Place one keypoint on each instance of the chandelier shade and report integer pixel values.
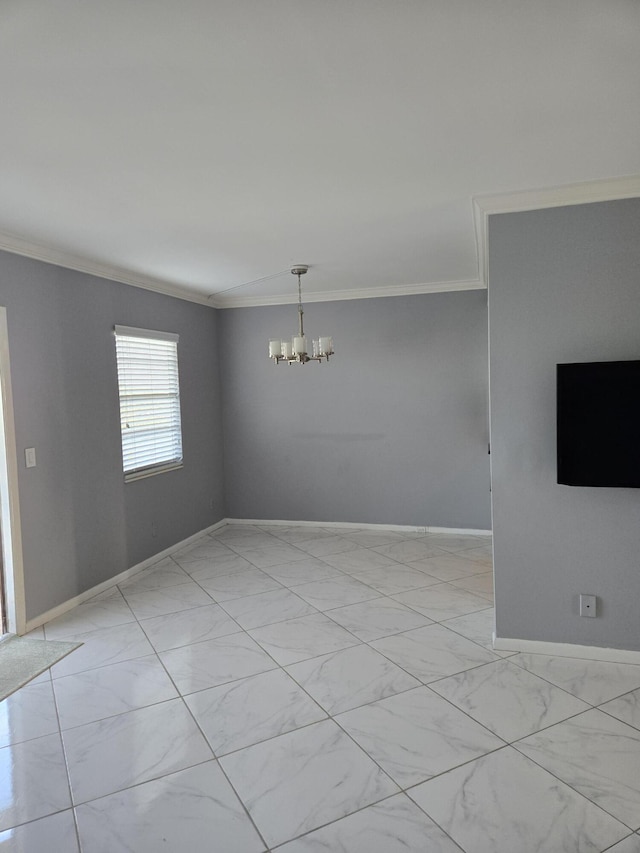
(296, 350)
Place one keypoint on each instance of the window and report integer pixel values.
(149, 390)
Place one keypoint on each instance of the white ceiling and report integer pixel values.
(200, 145)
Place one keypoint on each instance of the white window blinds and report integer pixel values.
(149, 400)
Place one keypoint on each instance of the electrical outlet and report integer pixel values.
(588, 605)
(30, 457)
(154, 530)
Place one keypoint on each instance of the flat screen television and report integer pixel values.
(598, 424)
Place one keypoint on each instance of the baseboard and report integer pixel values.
(566, 650)
(460, 531)
(348, 525)
(63, 608)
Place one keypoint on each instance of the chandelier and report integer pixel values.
(295, 350)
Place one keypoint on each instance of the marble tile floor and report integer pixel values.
(306, 689)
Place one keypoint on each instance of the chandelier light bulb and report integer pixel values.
(275, 347)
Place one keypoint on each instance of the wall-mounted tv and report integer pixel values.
(598, 424)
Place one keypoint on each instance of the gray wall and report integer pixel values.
(564, 286)
(393, 430)
(81, 523)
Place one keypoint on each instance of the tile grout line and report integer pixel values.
(331, 717)
(505, 743)
(568, 785)
(214, 756)
(281, 734)
(66, 765)
(575, 696)
(328, 717)
(165, 775)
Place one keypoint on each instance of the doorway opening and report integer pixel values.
(3, 615)
(11, 567)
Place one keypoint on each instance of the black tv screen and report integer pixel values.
(599, 424)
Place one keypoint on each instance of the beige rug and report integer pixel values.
(21, 660)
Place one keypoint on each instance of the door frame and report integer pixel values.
(13, 566)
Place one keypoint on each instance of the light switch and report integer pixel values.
(30, 457)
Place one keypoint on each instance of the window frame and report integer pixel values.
(169, 464)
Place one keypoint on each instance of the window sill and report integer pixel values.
(132, 476)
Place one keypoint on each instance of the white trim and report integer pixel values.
(344, 295)
(349, 525)
(346, 525)
(9, 495)
(63, 608)
(460, 531)
(60, 258)
(143, 473)
(586, 192)
(608, 189)
(566, 650)
(146, 334)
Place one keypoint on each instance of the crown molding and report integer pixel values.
(586, 192)
(483, 206)
(344, 295)
(60, 258)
